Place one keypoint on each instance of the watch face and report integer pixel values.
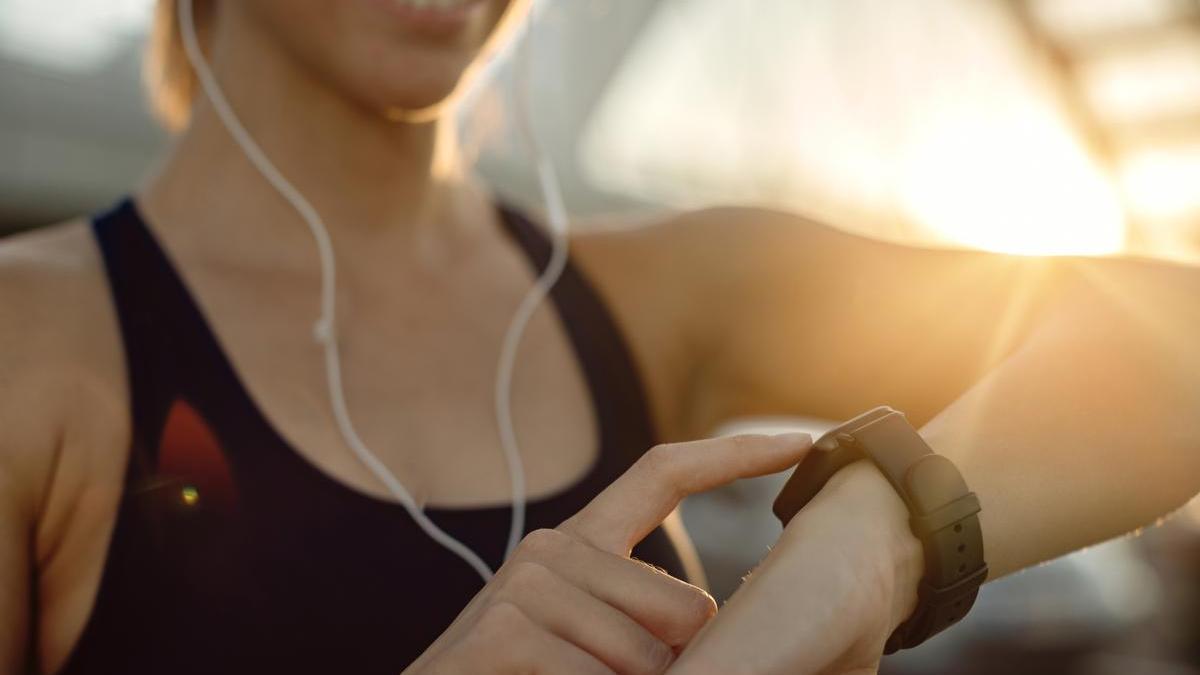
(830, 441)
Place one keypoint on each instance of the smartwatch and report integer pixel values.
(943, 512)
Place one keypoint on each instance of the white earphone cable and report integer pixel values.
(324, 330)
(556, 215)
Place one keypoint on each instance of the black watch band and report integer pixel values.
(943, 512)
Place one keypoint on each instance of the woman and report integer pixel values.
(178, 498)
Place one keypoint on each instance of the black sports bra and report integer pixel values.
(233, 554)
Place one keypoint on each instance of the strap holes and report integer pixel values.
(962, 548)
(962, 568)
(958, 527)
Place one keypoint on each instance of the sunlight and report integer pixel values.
(1012, 186)
(1162, 183)
(924, 133)
(1125, 291)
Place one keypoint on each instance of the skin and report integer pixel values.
(1049, 383)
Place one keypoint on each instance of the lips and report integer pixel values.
(436, 17)
(432, 4)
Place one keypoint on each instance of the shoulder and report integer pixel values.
(61, 368)
(53, 297)
(57, 262)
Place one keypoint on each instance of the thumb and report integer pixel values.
(637, 502)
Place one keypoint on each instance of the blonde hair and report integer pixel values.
(170, 82)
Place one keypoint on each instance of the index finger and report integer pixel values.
(637, 502)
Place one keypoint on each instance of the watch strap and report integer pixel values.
(943, 515)
(943, 512)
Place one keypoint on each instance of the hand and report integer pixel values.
(570, 600)
(843, 575)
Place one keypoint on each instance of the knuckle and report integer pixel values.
(542, 543)
(527, 578)
(693, 610)
(703, 606)
(659, 459)
(654, 657)
(500, 622)
(687, 608)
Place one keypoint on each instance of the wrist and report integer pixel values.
(898, 563)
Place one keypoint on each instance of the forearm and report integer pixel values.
(1091, 429)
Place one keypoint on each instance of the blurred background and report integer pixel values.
(1028, 126)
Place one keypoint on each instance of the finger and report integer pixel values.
(637, 502)
(672, 610)
(506, 640)
(583, 620)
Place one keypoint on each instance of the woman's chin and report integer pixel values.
(422, 105)
(411, 113)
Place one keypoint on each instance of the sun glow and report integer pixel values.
(1024, 188)
(1163, 184)
(927, 125)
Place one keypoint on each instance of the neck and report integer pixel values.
(361, 171)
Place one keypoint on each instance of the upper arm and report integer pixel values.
(15, 574)
(799, 318)
(26, 457)
(55, 358)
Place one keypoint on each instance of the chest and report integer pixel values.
(418, 365)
